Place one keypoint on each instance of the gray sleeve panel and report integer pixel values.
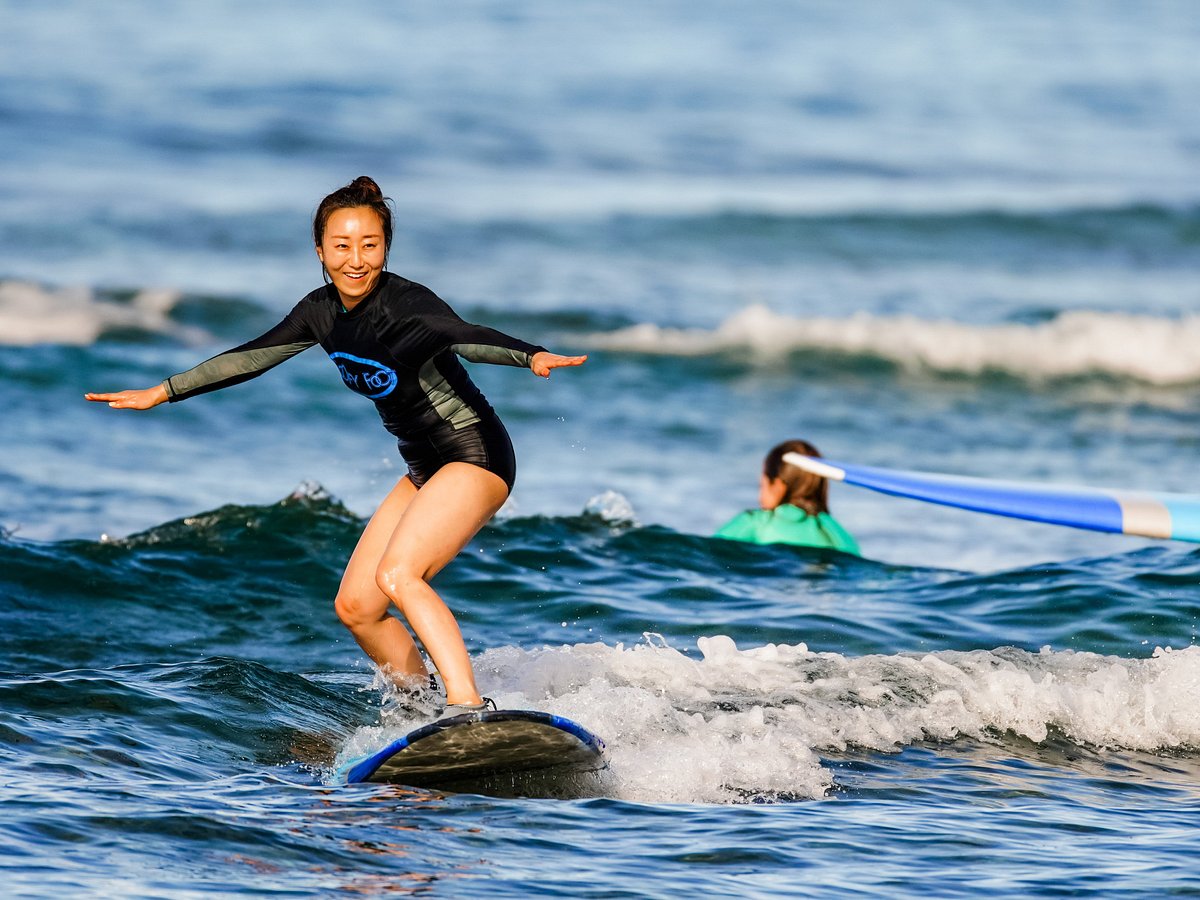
(490, 353)
(475, 343)
(232, 367)
(299, 330)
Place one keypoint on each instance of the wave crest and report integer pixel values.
(1155, 350)
(756, 724)
(79, 316)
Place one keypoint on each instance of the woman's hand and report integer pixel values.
(143, 399)
(543, 361)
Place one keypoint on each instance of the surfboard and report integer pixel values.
(1145, 514)
(514, 751)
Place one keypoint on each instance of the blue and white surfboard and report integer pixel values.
(1145, 514)
(478, 748)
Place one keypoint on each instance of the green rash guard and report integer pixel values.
(787, 524)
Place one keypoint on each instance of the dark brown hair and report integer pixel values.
(362, 191)
(808, 491)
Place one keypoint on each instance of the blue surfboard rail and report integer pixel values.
(1143, 514)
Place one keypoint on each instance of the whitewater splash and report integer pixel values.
(736, 725)
(30, 315)
(1155, 350)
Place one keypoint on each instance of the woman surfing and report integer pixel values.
(396, 343)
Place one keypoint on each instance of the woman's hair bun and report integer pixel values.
(367, 185)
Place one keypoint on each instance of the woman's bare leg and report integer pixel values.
(434, 526)
(363, 607)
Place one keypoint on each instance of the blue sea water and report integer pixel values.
(954, 237)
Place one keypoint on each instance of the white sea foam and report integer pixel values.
(732, 724)
(30, 314)
(1156, 350)
(612, 507)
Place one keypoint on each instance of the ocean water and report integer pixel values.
(954, 237)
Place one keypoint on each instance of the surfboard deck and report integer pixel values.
(486, 750)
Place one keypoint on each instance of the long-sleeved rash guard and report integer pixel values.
(396, 347)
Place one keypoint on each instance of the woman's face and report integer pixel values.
(353, 252)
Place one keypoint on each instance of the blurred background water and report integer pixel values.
(954, 238)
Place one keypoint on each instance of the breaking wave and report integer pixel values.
(1150, 349)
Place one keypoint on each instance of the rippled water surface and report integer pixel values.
(962, 240)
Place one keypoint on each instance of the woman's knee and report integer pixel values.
(354, 610)
(396, 580)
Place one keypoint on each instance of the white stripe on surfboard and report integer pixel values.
(808, 464)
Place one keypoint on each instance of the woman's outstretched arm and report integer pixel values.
(291, 336)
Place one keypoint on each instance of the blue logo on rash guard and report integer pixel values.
(365, 376)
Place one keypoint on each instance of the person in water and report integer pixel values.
(396, 343)
(795, 507)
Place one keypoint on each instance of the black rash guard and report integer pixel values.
(396, 347)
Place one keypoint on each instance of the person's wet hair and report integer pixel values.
(807, 491)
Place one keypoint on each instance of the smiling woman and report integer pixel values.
(396, 343)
